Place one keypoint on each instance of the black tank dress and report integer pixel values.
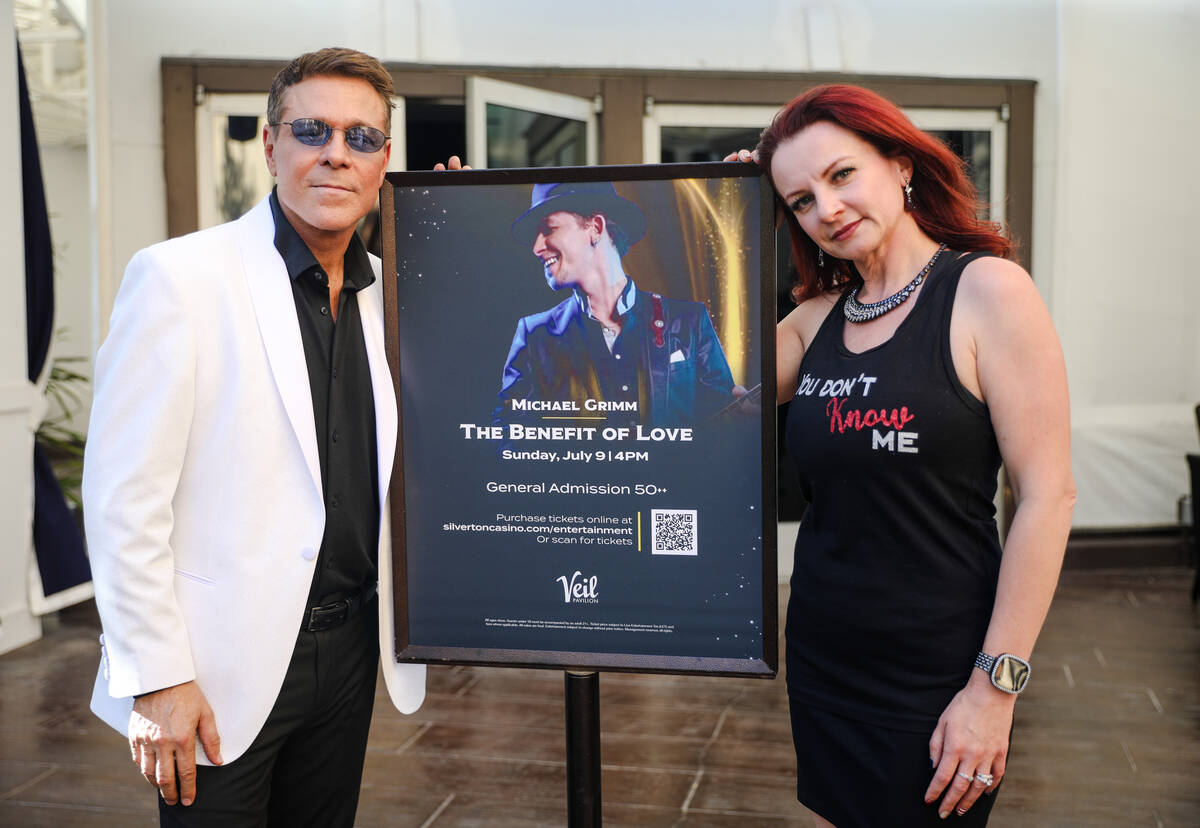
(896, 561)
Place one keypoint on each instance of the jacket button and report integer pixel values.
(308, 553)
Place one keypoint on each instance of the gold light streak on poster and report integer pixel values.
(713, 228)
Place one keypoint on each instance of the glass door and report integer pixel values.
(688, 133)
(509, 125)
(979, 137)
(675, 133)
(231, 173)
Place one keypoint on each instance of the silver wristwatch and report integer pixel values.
(1009, 673)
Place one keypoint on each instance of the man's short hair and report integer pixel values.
(616, 233)
(331, 62)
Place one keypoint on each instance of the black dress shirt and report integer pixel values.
(344, 410)
(619, 368)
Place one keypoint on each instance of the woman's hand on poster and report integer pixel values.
(743, 155)
(453, 163)
(970, 741)
(751, 157)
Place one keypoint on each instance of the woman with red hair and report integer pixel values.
(917, 359)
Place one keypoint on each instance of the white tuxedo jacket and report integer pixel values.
(202, 484)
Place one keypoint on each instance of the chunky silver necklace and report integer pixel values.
(858, 312)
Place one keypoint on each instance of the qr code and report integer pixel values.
(673, 531)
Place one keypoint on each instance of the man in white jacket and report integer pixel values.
(240, 447)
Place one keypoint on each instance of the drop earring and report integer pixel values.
(820, 257)
(908, 199)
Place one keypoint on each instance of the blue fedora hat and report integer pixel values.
(585, 198)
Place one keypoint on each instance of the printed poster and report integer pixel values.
(586, 465)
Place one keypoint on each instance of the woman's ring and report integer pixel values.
(985, 779)
(966, 776)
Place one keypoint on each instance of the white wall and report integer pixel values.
(1126, 288)
(870, 35)
(17, 625)
(127, 39)
(1113, 126)
(65, 174)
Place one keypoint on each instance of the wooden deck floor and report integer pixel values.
(1108, 734)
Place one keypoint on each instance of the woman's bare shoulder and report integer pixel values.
(991, 278)
(998, 291)
(806, 318)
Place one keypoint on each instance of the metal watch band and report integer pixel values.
(1016, 671)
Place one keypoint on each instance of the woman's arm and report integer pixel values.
(792, 337)
(795, 330)
(789, 352)
(1007, 353)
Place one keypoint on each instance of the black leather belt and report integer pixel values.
(328, 616)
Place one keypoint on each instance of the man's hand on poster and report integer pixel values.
(744, 155)
(454, 163)
(162, 739)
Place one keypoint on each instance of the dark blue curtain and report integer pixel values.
(56, 537)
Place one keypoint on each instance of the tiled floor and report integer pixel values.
(1108, 734)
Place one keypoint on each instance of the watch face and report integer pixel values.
(1010, 673)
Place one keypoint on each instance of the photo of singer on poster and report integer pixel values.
(586, 473)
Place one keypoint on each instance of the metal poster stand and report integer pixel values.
(582, 694)
(487, 568)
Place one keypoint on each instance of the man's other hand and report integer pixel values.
(454, 163)
(162, 738)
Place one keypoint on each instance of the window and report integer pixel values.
(509, 125)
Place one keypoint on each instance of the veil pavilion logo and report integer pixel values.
(579, 589)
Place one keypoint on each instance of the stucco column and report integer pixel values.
(18, 626)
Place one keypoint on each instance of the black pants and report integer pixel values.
(305, 766)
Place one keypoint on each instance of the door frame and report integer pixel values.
(626, 96)
(482, 91)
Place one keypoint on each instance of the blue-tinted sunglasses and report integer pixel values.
(314, 133)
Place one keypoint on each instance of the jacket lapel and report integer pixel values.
(275, 309)
(370, 307)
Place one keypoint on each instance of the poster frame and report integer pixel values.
(410, 651)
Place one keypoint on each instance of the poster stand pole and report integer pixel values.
(582, 692)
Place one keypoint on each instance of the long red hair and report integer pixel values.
(945, 207)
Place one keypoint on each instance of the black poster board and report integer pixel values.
(551, 505)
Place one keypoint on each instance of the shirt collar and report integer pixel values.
(298, 259)
(624, 301)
